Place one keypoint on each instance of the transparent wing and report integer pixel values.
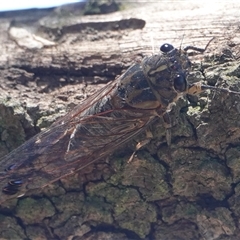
(78, 139)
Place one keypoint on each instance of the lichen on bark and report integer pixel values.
(189, 190)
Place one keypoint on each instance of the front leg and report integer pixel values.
(168, 126)
(141, 144)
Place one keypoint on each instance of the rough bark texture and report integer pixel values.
(189, 190)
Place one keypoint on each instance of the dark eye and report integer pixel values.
(180, 83)
(166, 48)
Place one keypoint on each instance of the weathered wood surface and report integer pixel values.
(187, 191)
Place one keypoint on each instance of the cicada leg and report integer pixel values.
(141, 144)
(167, 125)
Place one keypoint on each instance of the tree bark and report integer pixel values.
(52, 60)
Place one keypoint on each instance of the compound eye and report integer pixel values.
(166, 47)
(180, 83)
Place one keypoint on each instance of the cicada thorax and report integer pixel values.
(134, 90)
(166, 73)
(157, 81)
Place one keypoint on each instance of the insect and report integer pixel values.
(102, 123)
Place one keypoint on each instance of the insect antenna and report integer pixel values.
(152, 43)
(224, 90)
(180, 47)
(201, 50)
(197, 88)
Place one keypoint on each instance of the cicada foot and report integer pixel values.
(168, 126)
(168, 136)
(141, 144)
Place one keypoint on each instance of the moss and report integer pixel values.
(33, 211)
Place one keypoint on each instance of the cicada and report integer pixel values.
(102, 123)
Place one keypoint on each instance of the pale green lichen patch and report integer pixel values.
(136, 216)
(34, 211)
(69, 203)
(234, 200)
(216, 223)
(198, 173)
(233, 162)
(74, 227)
(182, 229)
(180, 210)
(144, 173)
(11, 129)
(36, 232)
(128, 210)
(10, 229)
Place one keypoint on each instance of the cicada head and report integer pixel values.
(166, 73)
